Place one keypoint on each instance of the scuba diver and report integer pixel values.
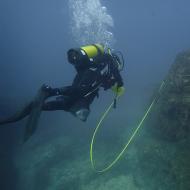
(96, 67)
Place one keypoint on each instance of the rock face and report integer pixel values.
(171, 115)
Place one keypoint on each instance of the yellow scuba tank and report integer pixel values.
(85, 55)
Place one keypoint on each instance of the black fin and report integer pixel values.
(34, 116)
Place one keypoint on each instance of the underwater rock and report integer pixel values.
(162, 165)
(171, 114)
(116, 183)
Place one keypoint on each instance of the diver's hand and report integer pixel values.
(118, 90)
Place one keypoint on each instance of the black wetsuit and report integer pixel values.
(83, 90)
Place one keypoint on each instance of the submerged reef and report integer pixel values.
(171, 115)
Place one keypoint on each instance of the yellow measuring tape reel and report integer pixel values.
(129, 141)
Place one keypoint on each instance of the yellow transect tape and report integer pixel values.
(130, 140)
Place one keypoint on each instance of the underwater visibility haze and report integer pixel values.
(153, 36)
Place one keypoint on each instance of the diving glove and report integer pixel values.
(119, 90)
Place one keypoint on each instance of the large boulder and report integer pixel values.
(171, 115)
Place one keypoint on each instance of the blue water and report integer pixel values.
(34, 38)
